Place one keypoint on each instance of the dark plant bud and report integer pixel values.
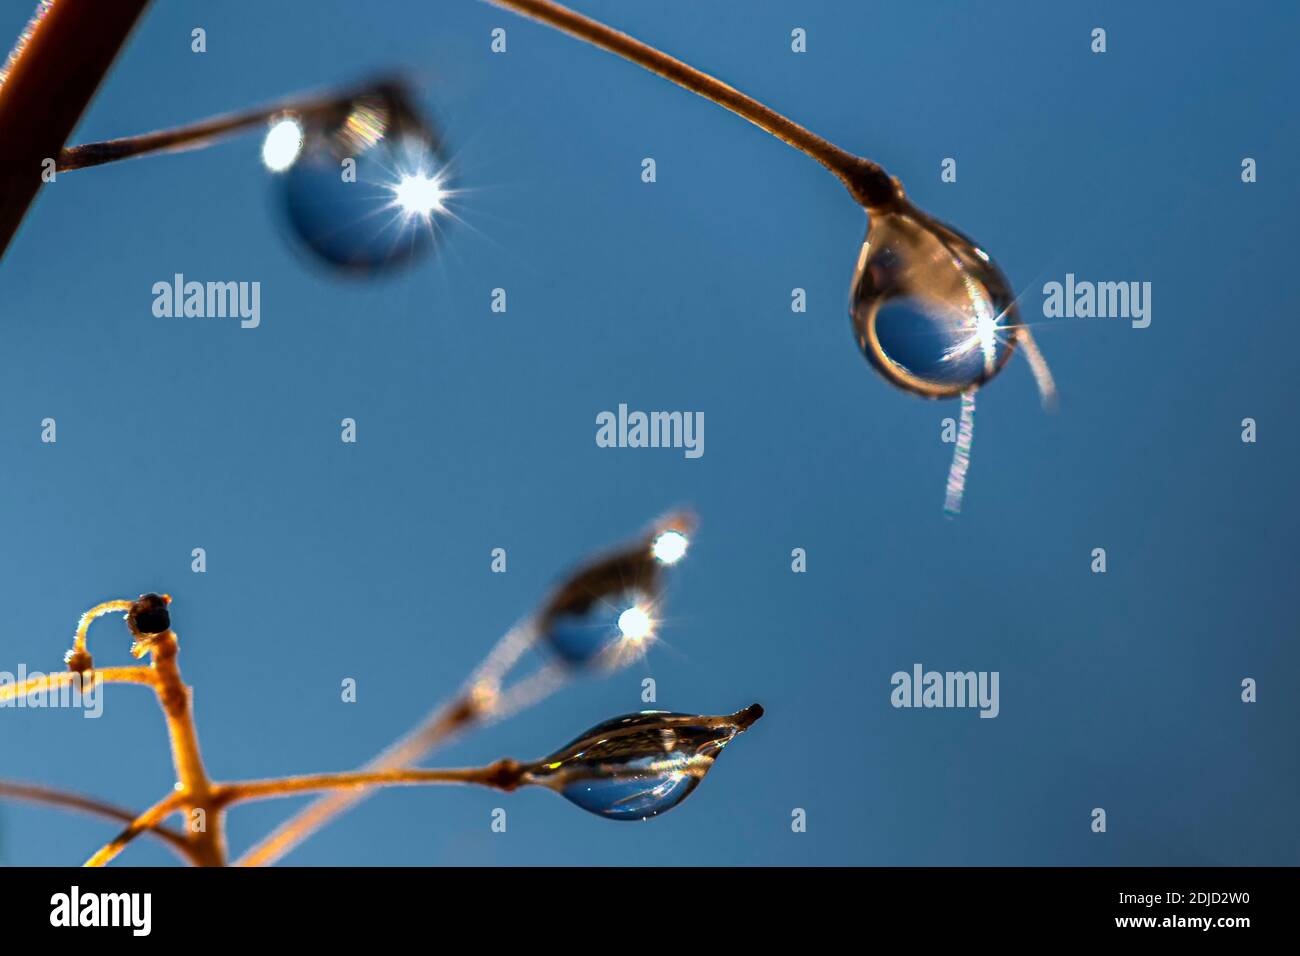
(149, 615)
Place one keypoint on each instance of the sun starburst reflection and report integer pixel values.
(636, 624)
(419, 194)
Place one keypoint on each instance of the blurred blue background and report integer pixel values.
(476, 431)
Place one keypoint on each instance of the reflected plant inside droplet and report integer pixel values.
(931, 310)
(640, 765)
(368, 185)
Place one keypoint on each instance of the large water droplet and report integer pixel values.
(639, 765)
(381, 210)
(932, 311)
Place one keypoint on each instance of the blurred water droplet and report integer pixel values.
(587, 621)
(932, 312)
(367, 190)
(639, 765)
(604, 614)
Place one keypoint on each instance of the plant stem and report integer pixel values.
(193, 785)
(48, 796)
(50, 682)
(146, 821)
(415, 745)
(868, 183)
(503, 775)
(203, 132)
(51, 79)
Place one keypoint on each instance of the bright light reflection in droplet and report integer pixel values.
(282, 145)
(635, 623)
(670, 547)
(418, 194)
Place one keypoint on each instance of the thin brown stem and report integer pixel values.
(414, 746)
(502, 775)
(204, 132)
(869, 184)
(48, 796)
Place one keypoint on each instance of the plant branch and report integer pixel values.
(49, 80)
(504, 775)
(50, 682)
(48, 796)
(193, 786)
(869, 184)
(145, 821)
(440, 725)
(204, 132)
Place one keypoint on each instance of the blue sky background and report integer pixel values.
(476, 430)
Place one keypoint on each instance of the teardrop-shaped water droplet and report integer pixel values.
(603, 611)
(639, 765)
(367, 187)
(604, 614)
(932, 312)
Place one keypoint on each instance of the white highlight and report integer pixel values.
(670, 547)
(420, 195)
(282, 145)
(635, 623)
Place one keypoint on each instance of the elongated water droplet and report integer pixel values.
(366, 187)
(639, 765)
(932, 311)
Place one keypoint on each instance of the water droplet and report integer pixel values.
(639, 765)
(604, 614)
(366, 189)
(932, 311)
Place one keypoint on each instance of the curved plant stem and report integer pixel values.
(48, 796)
(869, 184)
(80, 653)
